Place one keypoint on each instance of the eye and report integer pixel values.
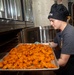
(52, 21)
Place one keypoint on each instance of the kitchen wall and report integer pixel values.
(41, 10)
(71, 0)
(65, 2)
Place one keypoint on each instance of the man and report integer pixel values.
(65, 38)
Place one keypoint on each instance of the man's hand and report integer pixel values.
(45, 43)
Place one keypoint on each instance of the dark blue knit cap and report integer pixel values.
(58, 11)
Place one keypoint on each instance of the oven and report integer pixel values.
(42, 34)
(10, 39)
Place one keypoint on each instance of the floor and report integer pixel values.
(27, 73)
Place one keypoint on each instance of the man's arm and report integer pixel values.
(52, 44)
(62, 61)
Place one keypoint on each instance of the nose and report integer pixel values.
(51, 23)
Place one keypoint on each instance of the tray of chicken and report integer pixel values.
(29, 57)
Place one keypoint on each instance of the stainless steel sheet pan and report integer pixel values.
(40, 69)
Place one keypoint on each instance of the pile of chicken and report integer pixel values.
(29, 56)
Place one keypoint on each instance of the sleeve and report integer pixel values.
(68, 44)
(57, 38)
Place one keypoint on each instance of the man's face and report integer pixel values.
(55, 23)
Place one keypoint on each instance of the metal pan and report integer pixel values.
(54, 61)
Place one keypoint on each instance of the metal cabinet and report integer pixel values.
(28, 12)
(72, 13)
(18, 9)
(2, 13)
(11, 9)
